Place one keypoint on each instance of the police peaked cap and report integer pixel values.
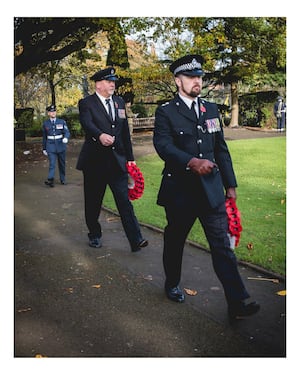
(51, 108)
(189, 65)
(107, 74)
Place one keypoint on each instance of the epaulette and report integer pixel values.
(167, 103)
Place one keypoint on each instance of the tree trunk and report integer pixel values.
(52, 90)
(234, 105)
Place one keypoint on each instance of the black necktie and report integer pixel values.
(109, 108)
(193, 108)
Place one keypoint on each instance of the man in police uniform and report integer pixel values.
(188, 136)
(105, 152)
(55, 138)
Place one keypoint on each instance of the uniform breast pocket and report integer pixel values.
(183, 138)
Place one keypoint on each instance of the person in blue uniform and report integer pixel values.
(103, 157)
(55, 138)
(280, 113)
(197, 175)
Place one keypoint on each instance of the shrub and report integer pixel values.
(257, 109)
(24, 117)
(35, 130)
(72, 120)
(140, 110)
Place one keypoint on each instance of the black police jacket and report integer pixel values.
(178, 137)
(95, 121)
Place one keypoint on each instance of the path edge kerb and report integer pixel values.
(252, 266)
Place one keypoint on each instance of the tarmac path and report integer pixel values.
(75, 301)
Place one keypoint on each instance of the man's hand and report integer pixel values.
(231, 193)
(65, 140)
(131, 162)
(106, 139)
(201, 166)
(45, 152)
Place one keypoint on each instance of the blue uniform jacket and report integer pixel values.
(95, 121)
(178, 137)
(59, 130)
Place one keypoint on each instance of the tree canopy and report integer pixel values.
(235, 49)
(247, 50)
(38, 40)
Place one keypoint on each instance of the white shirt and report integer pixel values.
(103, 101)
(189, 102)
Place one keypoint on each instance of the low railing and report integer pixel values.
(143, 123)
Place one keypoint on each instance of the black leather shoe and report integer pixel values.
(138, 247)
(49, 183)
(95, 242)
(175, 294)
(241, 309)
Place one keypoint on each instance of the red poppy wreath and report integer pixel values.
(234, 220)
(135, 182)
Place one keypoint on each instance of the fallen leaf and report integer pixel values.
(125, 278)
(66, 205)
(40, 356)
(24, 310)
(104, 256)
(112, 218)
(250, 246)
(148, 277)
(191, 292)
(281, 293)
(97, 286)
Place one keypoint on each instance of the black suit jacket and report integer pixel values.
(95, 121)
(178, 137)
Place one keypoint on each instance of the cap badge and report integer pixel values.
(194, 64)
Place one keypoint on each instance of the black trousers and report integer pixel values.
(214, 222)
(95, 183)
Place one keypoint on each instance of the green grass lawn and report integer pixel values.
(260, 167)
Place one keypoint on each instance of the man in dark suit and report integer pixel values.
(103, 157)
(188, 136)
(55, 138)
